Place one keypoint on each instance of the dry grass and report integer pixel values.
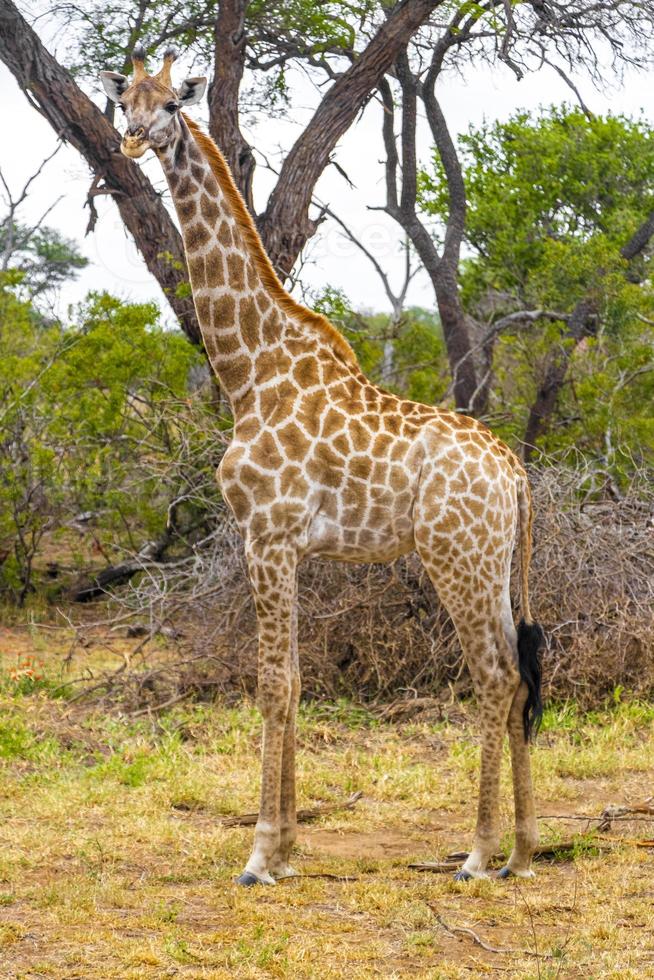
(372, 632)
(114, 862)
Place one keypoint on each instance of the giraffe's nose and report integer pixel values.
(137, 132)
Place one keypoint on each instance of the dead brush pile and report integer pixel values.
(378, 632)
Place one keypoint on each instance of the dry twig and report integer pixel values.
(466, 931)
(303, 816)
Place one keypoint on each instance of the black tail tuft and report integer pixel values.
(530, 640)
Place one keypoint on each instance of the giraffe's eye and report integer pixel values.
(171, 107)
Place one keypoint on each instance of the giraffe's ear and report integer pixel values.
(114, 84)
(191, 91)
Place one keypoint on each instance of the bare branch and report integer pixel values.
(571, 85)
(506, 40)
(14, 243)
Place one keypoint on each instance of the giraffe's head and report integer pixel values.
(150, 103)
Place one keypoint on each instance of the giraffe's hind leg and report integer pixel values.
(471, 579)
(526, 824)
(495, 678)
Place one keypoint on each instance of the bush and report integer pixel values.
(378, 632)
(82, 408)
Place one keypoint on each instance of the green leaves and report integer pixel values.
(552, 200)
(103, 37)
(83, 408)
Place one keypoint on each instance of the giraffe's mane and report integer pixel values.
(309, 318)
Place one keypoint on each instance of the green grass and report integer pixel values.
(114, 859)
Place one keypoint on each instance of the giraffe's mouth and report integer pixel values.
(134, 146)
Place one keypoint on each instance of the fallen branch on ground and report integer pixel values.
(609, 814)
(563, 848)
(465, 931)
(303, 816)
(153, 709)
(319, 874)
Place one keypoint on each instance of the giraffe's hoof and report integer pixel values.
(507, 872)
(247, 880)
(463, 874)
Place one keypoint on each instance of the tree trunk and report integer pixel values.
(229, 62)
(454, 324)
(582, 323)
(77, 120)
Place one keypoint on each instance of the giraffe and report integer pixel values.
(324, 462)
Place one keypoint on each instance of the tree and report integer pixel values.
(399, 48)
(552, 200)
(524, 36)
(285, 224)
(43, 256)
(100, 433)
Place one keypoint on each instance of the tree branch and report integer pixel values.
(229, 64)
(285, 226)
(77, 120)
(441, 269)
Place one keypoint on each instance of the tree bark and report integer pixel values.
(77, 120)
(229, 63)
(469, 395)
(285, 225)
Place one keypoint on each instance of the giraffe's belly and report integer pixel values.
(327, 540)
(362, 507)
(367, 533)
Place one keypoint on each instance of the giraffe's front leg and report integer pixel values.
(280, 866)
(273, 576)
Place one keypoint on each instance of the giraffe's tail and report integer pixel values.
(530, 634)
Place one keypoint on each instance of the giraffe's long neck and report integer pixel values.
(239, 314)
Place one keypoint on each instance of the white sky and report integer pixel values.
(115, 264)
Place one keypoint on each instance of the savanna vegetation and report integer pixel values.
(118, 852)
(128, 660)
(113, 429)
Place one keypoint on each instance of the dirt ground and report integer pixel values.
(116, 860)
